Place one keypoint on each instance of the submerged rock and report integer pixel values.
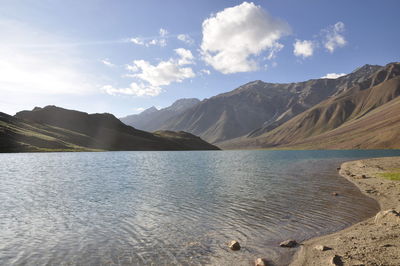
(288, 243)
(260, 262)
(335, 194)
(234, 245)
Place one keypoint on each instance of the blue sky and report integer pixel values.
(123, 56)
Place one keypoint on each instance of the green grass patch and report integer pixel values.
(391, 175)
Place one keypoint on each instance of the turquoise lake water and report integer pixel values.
(171, 208)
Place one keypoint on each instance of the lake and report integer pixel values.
(163, 208)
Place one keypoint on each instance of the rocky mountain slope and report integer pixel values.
(52, 129)
(365, 115)
(153, 119)
(256, 107)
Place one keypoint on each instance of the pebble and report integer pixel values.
(260, 262)
(288, 243)
(321, 247)
(234, 245)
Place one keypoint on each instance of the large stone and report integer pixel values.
(234, 245)
(336, 260)
(260, 262)
(288, 243)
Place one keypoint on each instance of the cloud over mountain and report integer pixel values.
(234, 35)
(333, 75)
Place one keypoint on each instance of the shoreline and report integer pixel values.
(374, 241)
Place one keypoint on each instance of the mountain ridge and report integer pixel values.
(53, 128)
(152, 119)
(340, 110)
(257, 107)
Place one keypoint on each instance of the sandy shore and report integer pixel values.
(375, 241)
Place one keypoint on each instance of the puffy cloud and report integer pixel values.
(131, 68)
(186, 56)
(303, 48)
(236, 34)
(185, 38)
(164, 73)
(333, 75)
(334, 37)
(107, 63)
(153, 76)
(134, 89)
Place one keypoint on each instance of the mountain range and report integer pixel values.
(56, 129)
(318, 113)
(153, 119)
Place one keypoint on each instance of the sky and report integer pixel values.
(122, 57)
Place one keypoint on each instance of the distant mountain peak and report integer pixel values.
(149, 110)
(183, 103)
(153, 119)
(365, 69)
(185, 100)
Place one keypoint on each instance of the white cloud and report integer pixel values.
(137, 41)
(164, 73)
(233, 36)
(131, 68)
(153, 76)
(186, 56)
(333, 75)
(163, 32)
(160, 40)
(134, 89)
(185, 38)
(334, 37)
(107, 63)
(140, 109)
(303, 48)
(274, 50)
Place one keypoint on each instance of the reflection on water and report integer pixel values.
(129, 208)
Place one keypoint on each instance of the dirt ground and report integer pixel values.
(375, 241)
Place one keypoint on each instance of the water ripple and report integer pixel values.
(170, 208)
